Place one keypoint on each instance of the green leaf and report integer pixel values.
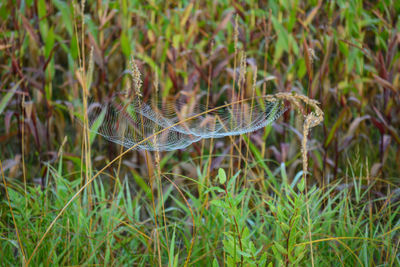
(293, 235)
(172, 249)
(214, 189)
(142, 183)
(74, 47)
(125, 47)
(301, 185)
(42, 9)
(65, 10)
(43, 27)
(335, 127)
(220, 204)
(49, 43)
(282, 45)
(238, 198)
(96, 125)
(280, 248)
(293, 45)
(176, 260)
(221, 176)
(4, 101)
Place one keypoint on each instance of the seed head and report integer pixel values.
(242, 69)
(137, 81)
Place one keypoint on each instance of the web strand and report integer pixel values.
(127, 122)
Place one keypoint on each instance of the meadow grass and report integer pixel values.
(348, 227)
(284, 195)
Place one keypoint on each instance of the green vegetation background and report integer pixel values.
(199, 211)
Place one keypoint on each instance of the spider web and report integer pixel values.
(128, 122)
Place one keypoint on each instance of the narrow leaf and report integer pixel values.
(96, 125)
(4, 101)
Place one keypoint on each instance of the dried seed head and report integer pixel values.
(137, 82)
(89, 74)
(83, 6)
(242, 70)
(312, 119)
(311, 55)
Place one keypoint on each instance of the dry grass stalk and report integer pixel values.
(156, 83)
(236, 32)
(137, 84)
(207, 102)
(253, 89)
(160, 190)
(306, 129)
(235, 42)
(23, 146)
(242, 89)
(89, 76)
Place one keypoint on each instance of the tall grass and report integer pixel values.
(284, 195)
(272, 227)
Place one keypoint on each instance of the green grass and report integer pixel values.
(196, 206)
(350, 225)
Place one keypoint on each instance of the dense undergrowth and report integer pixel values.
(223, 202)
(351, 225)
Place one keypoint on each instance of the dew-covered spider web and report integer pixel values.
(129, 122)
